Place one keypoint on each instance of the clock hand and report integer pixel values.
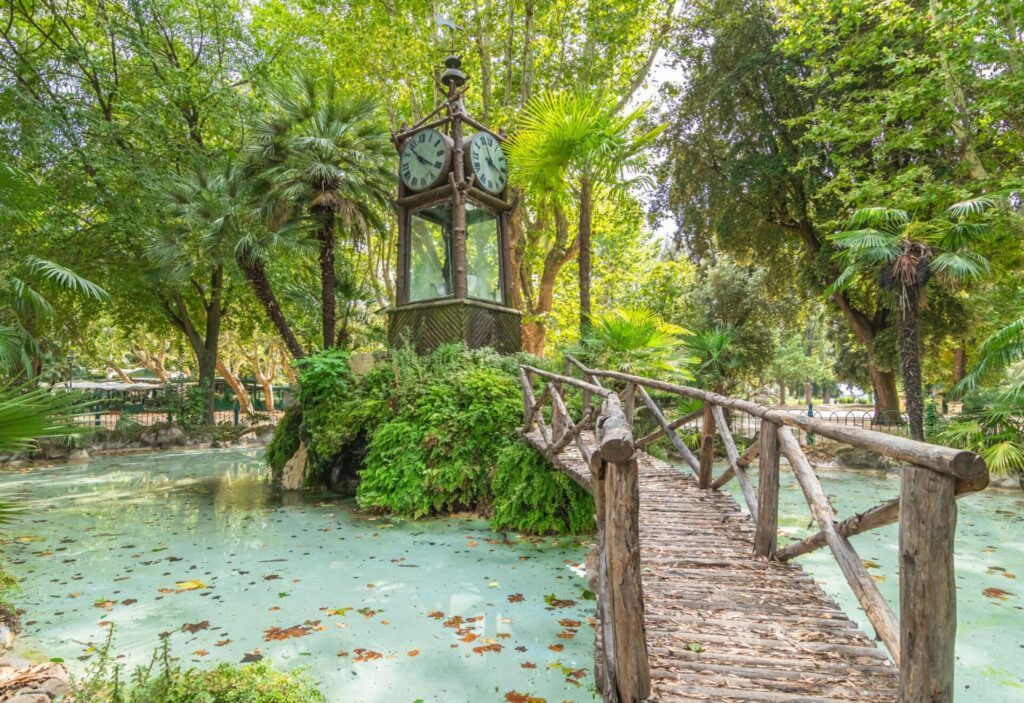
(417, 155)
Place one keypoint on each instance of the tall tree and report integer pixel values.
(902, 254)
(321, 154)
(572, 146)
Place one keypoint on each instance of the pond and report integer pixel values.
(201, 546)
(989, 572)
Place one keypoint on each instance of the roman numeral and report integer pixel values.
(438, 165)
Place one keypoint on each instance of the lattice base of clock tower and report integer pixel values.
(478, 324)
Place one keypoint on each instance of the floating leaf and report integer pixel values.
(556, 647)
(516, 697)
(484, 648)
(528, 665)
(193, 585)
(221, 643)
(253, 656)
(996, 593)
(196, 626)
(566, 622)
(413, 652)
(200, 653)
(436, 614)
(515, 598)
(365, 655)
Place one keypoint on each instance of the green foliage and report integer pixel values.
(635, 340)
(161, 681)
(991, 424)
(28, 413)
(529, 496)
(188, 403)
(434, 429)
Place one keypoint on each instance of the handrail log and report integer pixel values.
(879, 516)
(615, 436)
(752, 452)
(734, 460)
(877, 609)
(945, 460)
(568, 380)
(660, 432)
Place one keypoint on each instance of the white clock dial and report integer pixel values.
(488, 163)
(424, 160)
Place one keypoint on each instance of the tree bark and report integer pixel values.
(586, 206)
(241, 392)
(910, 359)
(959, 364)
(782, 392)
(328, 277)
(255, 271)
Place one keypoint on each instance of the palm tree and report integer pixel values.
(321, 154)
(1002, 349)
(637, 341)
(901, 254)
(716, 356)
(574, 145)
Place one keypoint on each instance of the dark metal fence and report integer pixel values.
(153, 405)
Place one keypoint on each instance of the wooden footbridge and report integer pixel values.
(697, 601)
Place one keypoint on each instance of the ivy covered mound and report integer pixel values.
(428, 436)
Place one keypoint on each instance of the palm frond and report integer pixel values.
(1005, 457)
(998, 351)
(65, 277)
(980, 204)
(879, 218)
(961, 266)
(28, 413)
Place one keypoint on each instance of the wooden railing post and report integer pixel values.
(766, 536)
(528, 400)
(927, 586)
(707, 447)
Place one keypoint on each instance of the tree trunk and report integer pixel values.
(241, 392)
(119, 372)
(808, 392)
(328, 277)
(255, 272)
(826, 393)
(534, 332)
(910, 360)
(887, 399)
(782, 392)
(959, 364)
(586, 205)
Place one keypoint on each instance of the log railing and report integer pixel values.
(921, 641)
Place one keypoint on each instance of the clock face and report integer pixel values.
(424, 160)
(488, 162)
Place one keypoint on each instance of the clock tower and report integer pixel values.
(454, 279)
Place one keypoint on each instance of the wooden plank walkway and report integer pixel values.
(766, 631)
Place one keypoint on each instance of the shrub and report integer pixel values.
(434, 429)
(162, 682)
(530, 496)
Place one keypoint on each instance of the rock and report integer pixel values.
(78, 455)
(294, 474)
(265, 434)
(55, 688)
(1012, 483)
(7, 636)
(170, 435)
(361, 363)
(149, 439)
(29, 698)
(13, 663)
(854, 458)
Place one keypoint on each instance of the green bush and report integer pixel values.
(434, 429)
(530, 496)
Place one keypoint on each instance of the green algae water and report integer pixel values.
(989, 572)
(201, 548)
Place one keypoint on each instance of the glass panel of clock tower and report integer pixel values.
(483, 264)
(430, 253)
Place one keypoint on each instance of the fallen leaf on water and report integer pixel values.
(567, 634)
(517, 697)
(528, 665)
(105, 604)
(221, 643)
(472, 543)
(469, 638)
(342, 653)
(271, 577)
(482, 649)
(555, 602)
(285, 633)
(996, 593)
(566, 622)
(515, 598)
(200, 652)
(436, 614)
(556, 647)
(365, 655)
(413, 652)
(129, 601)
(253, 656)
(494, 584)
(878, 577)
(339, 611)
(193, 585)
(195, 627)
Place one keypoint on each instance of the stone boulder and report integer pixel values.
(854, 458)
(294, 473)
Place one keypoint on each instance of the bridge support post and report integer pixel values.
(766, 536)
(927, 586)
(707, 447)
(622, 540)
